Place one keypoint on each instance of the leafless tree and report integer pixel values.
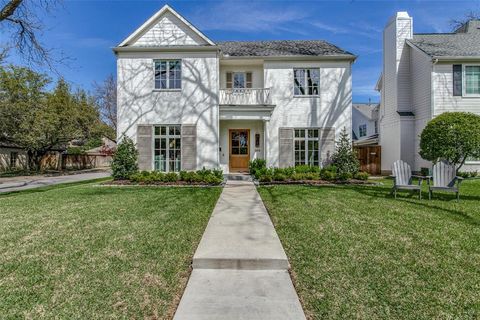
(106, 98)
(462, 22)
(20, 22)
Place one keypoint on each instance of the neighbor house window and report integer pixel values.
(362, 130)
(13, 159)
(472, 80)
(306, 147)
(167, 148)
(168, 74)
(306, 82)
(238, 80)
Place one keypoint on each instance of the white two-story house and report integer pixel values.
(424, 75)
(189, 102)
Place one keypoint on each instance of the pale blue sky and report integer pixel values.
(86, 30)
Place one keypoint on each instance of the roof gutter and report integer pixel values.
(455, 58)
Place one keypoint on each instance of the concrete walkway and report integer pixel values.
(240, 270)
(31, 182)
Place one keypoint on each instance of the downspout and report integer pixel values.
(432, 87)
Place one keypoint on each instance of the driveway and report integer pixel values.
(31, 182)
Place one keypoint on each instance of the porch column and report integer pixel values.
(265, 139)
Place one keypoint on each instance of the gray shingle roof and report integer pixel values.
(281, 48)
(465, 42)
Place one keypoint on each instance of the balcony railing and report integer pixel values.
(247, 96)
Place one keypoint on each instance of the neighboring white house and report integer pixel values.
(365, 123)
(423, 76)
(189, 102)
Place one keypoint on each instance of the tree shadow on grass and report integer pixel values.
(384, 192)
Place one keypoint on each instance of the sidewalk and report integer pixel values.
(30, 182)
(240, 270)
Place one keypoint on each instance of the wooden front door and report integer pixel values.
(239, 149)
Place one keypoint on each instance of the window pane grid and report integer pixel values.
(472, 79)
(306, 81)
(307, 147)
(168, 74)
(167, 148)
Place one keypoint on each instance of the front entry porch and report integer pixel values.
(240, 142)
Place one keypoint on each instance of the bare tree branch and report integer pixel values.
(106, 99)
(459, 24)
(18, 19)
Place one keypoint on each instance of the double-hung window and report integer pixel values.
(362, 130)
(167, 148)
(168, 74)
(306, 82)
(472, 80)
(307, 147)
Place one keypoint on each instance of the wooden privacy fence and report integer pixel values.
(369, 158)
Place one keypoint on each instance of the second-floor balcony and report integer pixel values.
(245, 96)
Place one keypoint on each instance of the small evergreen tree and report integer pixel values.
(124, 162)
(344, 157)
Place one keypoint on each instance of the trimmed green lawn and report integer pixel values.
(83, 251)
(358, 253)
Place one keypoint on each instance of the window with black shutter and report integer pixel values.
(457, 79)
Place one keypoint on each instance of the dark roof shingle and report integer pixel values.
(282, 48)
(465, 42)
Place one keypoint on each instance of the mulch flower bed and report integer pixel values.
(157, 183)
(316, 182)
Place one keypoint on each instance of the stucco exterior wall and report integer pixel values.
(332, 108)
(196, 103)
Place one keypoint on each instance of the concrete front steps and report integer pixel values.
(240, 270)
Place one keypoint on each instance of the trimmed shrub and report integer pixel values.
(362, 176)
(328, 175)
(307, 169)
(255, 165)
(311, 176)
(279, 176)
(212, 179)
(218, 173)
(451, 136)
(344, 176)
(171, 177)
(298, 176)
(124, 162)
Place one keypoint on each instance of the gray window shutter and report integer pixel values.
(457, 79)
(189, 147)
(327, 143)
(229, 80)
(144, 146)
(248, 80)
(285, 147)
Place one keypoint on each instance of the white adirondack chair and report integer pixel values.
(402, 173)
(444, 178)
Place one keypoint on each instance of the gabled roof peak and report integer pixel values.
(155, 18)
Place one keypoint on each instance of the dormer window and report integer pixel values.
(238, 80)
(168, 74)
